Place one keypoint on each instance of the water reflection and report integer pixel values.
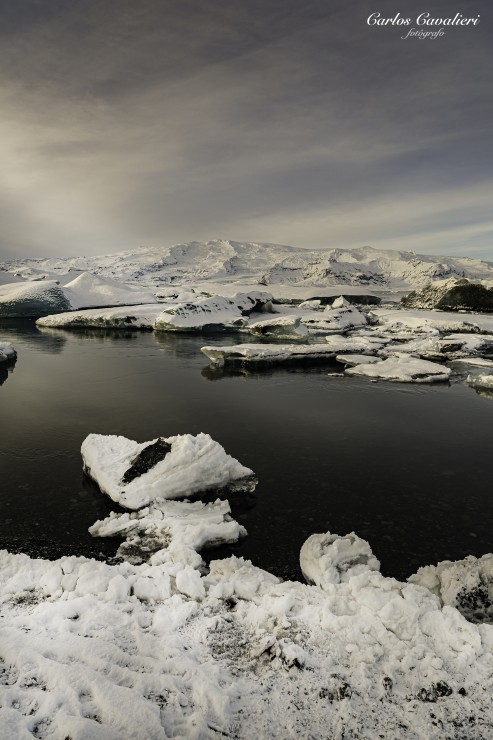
(89, 333)
(32, 336)
(5, 370)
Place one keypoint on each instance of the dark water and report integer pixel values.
(406, 467)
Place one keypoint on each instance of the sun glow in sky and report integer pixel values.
(126, 124)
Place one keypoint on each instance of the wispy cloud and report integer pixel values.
(274, 121)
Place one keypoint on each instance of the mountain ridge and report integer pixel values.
(229, 261)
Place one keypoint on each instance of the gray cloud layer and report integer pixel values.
(170, 120)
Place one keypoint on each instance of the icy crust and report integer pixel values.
(171, 531)
(91, 650)
(131, 477)
(403, 368)
(7, 352)
(217, 311)
(125, 317)
(272, 353)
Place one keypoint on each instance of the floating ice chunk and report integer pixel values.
(403, 368)
(286, 327)
(475, 361)
(275, 353)
(357, 359)
(315, 303)
(7, 352)
(173, 531)
(454, 344)
(341, 316)
(481, 381)
(89, 290)
(216, 312)
(32, 299)
(125, 317)
(331, 559)
(134, 474)
(368, 345)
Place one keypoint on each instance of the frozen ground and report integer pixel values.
(170, 648)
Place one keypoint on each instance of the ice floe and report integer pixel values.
(7, 352)
(125, 317)
(268, 353)
(173, 531)
(403, 368)
(357, 359)
(481, 381)
(135, 474)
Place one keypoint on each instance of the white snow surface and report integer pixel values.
(403, 368)
(194, 463)
(341, 316)
(357, 359)
(276, 353)
(226, 261)
(91, 650)
(284, 327)
(171, 531)
(88, 290)
(7, 352)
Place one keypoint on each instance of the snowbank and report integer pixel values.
(328, 558)
(135, 474)
(403, 368)
(91, 650)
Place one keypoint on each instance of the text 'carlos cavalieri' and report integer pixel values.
(428, 26)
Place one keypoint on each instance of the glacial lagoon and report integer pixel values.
(405, 467)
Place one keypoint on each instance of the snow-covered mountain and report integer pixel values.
(224, 261)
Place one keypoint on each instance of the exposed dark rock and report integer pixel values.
(147, 459)
(451, 295)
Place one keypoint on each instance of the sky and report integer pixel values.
(127, 124)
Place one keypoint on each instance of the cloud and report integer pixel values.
(287, 122)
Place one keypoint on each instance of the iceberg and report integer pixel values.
(282, 327)
(135, 474)
(340, 316)
(32, 299)
(403, 368)
(217, 312)
(481, 381)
